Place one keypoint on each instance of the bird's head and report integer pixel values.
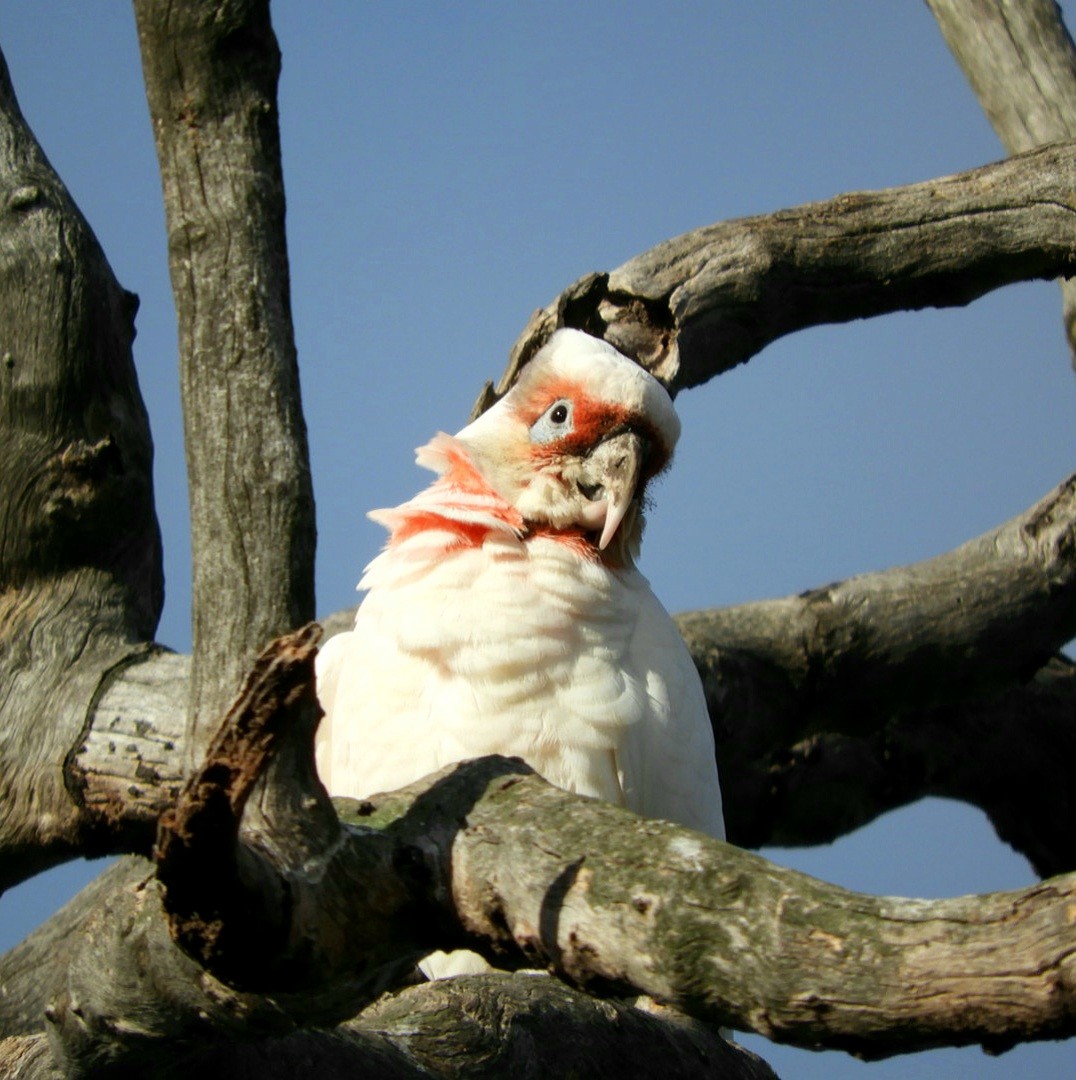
(573, 444)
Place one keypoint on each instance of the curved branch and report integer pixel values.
(699, 304)
(528, 1026)
(821, 702)
(816, 788)
(1021, 63)
(237, 906)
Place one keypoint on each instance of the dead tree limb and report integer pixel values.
(610, 902)
(1021, 63)
(211, 73)
(822, 702)
(701, 303)
(616, 905)
(982, 617)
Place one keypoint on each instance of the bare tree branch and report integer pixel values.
(835, 705)
(296, 920)
(211, 73)
(618, 904)
(528, 1026)
(1021, 63)
(699, 304)
(984, 616)
(818, 788)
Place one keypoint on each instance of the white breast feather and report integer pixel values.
(523, 649)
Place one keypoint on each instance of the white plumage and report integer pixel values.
(505, 614)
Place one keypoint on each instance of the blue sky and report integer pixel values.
(451, 167)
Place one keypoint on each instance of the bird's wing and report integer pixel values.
(666, 764)
(327, 667)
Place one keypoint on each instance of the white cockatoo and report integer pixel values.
(506, 616)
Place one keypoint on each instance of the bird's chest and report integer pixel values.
(491, 610)
(512, 647)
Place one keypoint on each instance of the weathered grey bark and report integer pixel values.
(983, 617)
(814, 789)
(80, 557)
(27, 1057)
(699, 304)
(822, 703)
(211, 71)
(1021, 63)
(32, 973)
(477, 1026)
(492, 858)
(527, 1025)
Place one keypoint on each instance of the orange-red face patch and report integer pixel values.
(592, 420)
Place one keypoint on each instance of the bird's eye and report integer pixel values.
(554, 423)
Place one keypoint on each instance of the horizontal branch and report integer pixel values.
(610, 902)
(619, 905)
(324, 936)
(822, 786)
(984, 616)
(847, 658)
(701, 303)
(528, 1026)
(822, 702)
(489, 856)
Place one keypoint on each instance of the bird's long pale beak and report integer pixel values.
(612, 471)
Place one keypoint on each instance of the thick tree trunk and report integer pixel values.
(80, 556)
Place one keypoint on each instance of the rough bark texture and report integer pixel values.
(835, 705)
(211, 71)
(1021, 63)
(80, 557)
(828, 706)
(671, 913)
(496, 858)
(322, 936)
(701, 303)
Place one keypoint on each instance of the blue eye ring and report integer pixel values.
(554, 423)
